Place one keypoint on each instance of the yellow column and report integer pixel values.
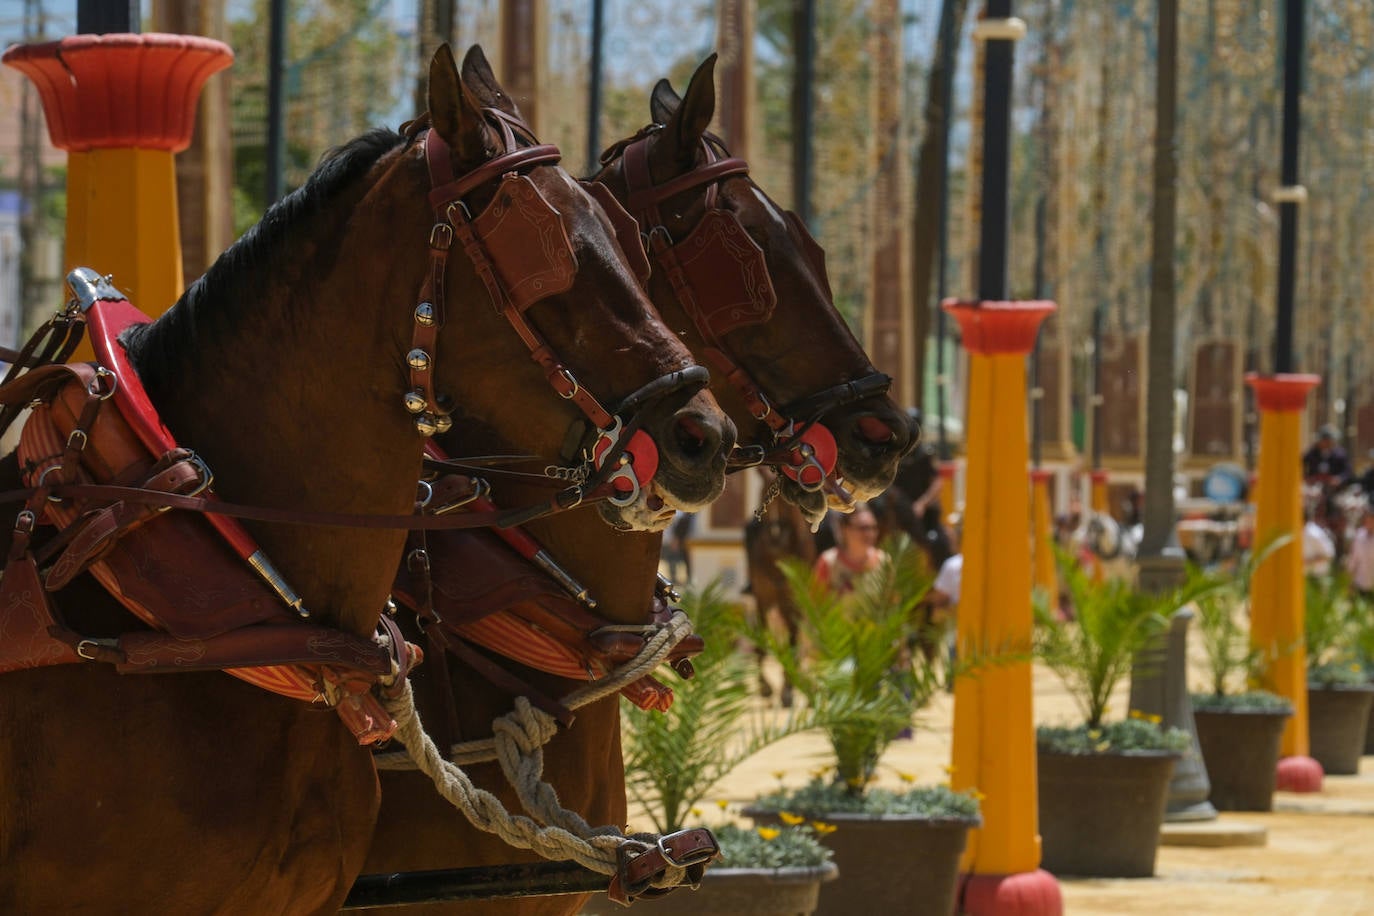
(1277, 597)
(122, 106)
(994, 729)
(1046, 576)
(1099, 491)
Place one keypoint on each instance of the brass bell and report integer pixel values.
(443, 423)
(424, 314)
(418, 359)
(425, 425)
(414, 401)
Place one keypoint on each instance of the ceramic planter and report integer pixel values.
(1336, 721)
(887, 861)
(736, 892)
(1240, 748)
(1100, 814)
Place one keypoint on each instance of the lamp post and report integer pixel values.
(994, 730)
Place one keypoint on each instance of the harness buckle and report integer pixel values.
(103, 385)
(441, 237)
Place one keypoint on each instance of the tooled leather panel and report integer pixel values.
(728, 275)
(24, 622)
(526, 241)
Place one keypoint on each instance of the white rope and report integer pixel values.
(517, 744)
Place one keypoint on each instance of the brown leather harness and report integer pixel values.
(720, 277)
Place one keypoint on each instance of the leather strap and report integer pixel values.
(691, 849)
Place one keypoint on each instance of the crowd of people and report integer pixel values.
(1338, 513)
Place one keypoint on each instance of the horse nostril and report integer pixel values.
(692, 439)
(874, 431)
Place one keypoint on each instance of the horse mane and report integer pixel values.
(213, 305)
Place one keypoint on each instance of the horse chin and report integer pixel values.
(812, 503)
(650, 512)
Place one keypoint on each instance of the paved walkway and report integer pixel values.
(1319, 858)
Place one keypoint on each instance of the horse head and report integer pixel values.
(744, 283)
(628, 388)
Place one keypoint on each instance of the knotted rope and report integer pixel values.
(517, 744)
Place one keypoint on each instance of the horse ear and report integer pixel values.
(676, 147)
(663, 101)
(481, 79)
(453, 110)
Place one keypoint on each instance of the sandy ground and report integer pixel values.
(1319, 856)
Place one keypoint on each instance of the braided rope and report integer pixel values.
(517, 744)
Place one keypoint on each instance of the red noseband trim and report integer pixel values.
(812, 457)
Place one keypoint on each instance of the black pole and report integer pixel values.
(107, 17)
(276, 98)
(994, 230)
(1288, 206)
(947, 39)
(1038, 396)
(594, 87)
(803, 89)
(1097, 387)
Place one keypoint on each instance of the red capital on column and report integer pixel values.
(991, 328)
(120, 91)
(1285, 391)
(1041, 475)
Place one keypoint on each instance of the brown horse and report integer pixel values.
(805, 351)
(285, 368)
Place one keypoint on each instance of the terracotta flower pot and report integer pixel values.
(736, 892)
(1336, 721)
(1100, 814)
(1240, 748)
(888, 861)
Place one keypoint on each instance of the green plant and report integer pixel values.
(1136, 733)
(788, 846)
(856, 672)
(1249, 701)
(820, 798)
(1091, 654)
(1232, 661)
(1332, 628)
(673, 758)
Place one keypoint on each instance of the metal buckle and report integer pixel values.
(102, 378)
(43, 477)
(699, 857)
(86, 645)
(24, 522)
(424, 494)
(78, 436)
(441, 237)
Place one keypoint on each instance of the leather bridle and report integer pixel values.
(514, 244)
(720, 277)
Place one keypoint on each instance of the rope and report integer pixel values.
(517, 744)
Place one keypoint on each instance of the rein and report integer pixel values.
(718, 263)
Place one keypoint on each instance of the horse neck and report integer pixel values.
(296, 404)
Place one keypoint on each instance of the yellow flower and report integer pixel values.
(790, 819)
(1094, 733)
(949, 770)
(823, 828)
(696, 812)
(769, 833)
(779, 774)
(906, 777)
(977, 796)
(820, 772)
(1102, 746)
(722, 803)
(855, 782)
(1354, 666)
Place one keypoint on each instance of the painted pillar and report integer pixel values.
(994, 729)
(1046, 577)
(121, 105)
(1099, 480)
(1277, 596)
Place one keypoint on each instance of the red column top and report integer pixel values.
(1098, 475)
(1283, 392)
(1040, 475)
(991, 328)
(120, 91)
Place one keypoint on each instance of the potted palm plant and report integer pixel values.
(859, 676)
(673, 759)
(1103, 784)
(1238, 728)
(1339, 694)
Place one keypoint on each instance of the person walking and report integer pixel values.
(856, 553)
